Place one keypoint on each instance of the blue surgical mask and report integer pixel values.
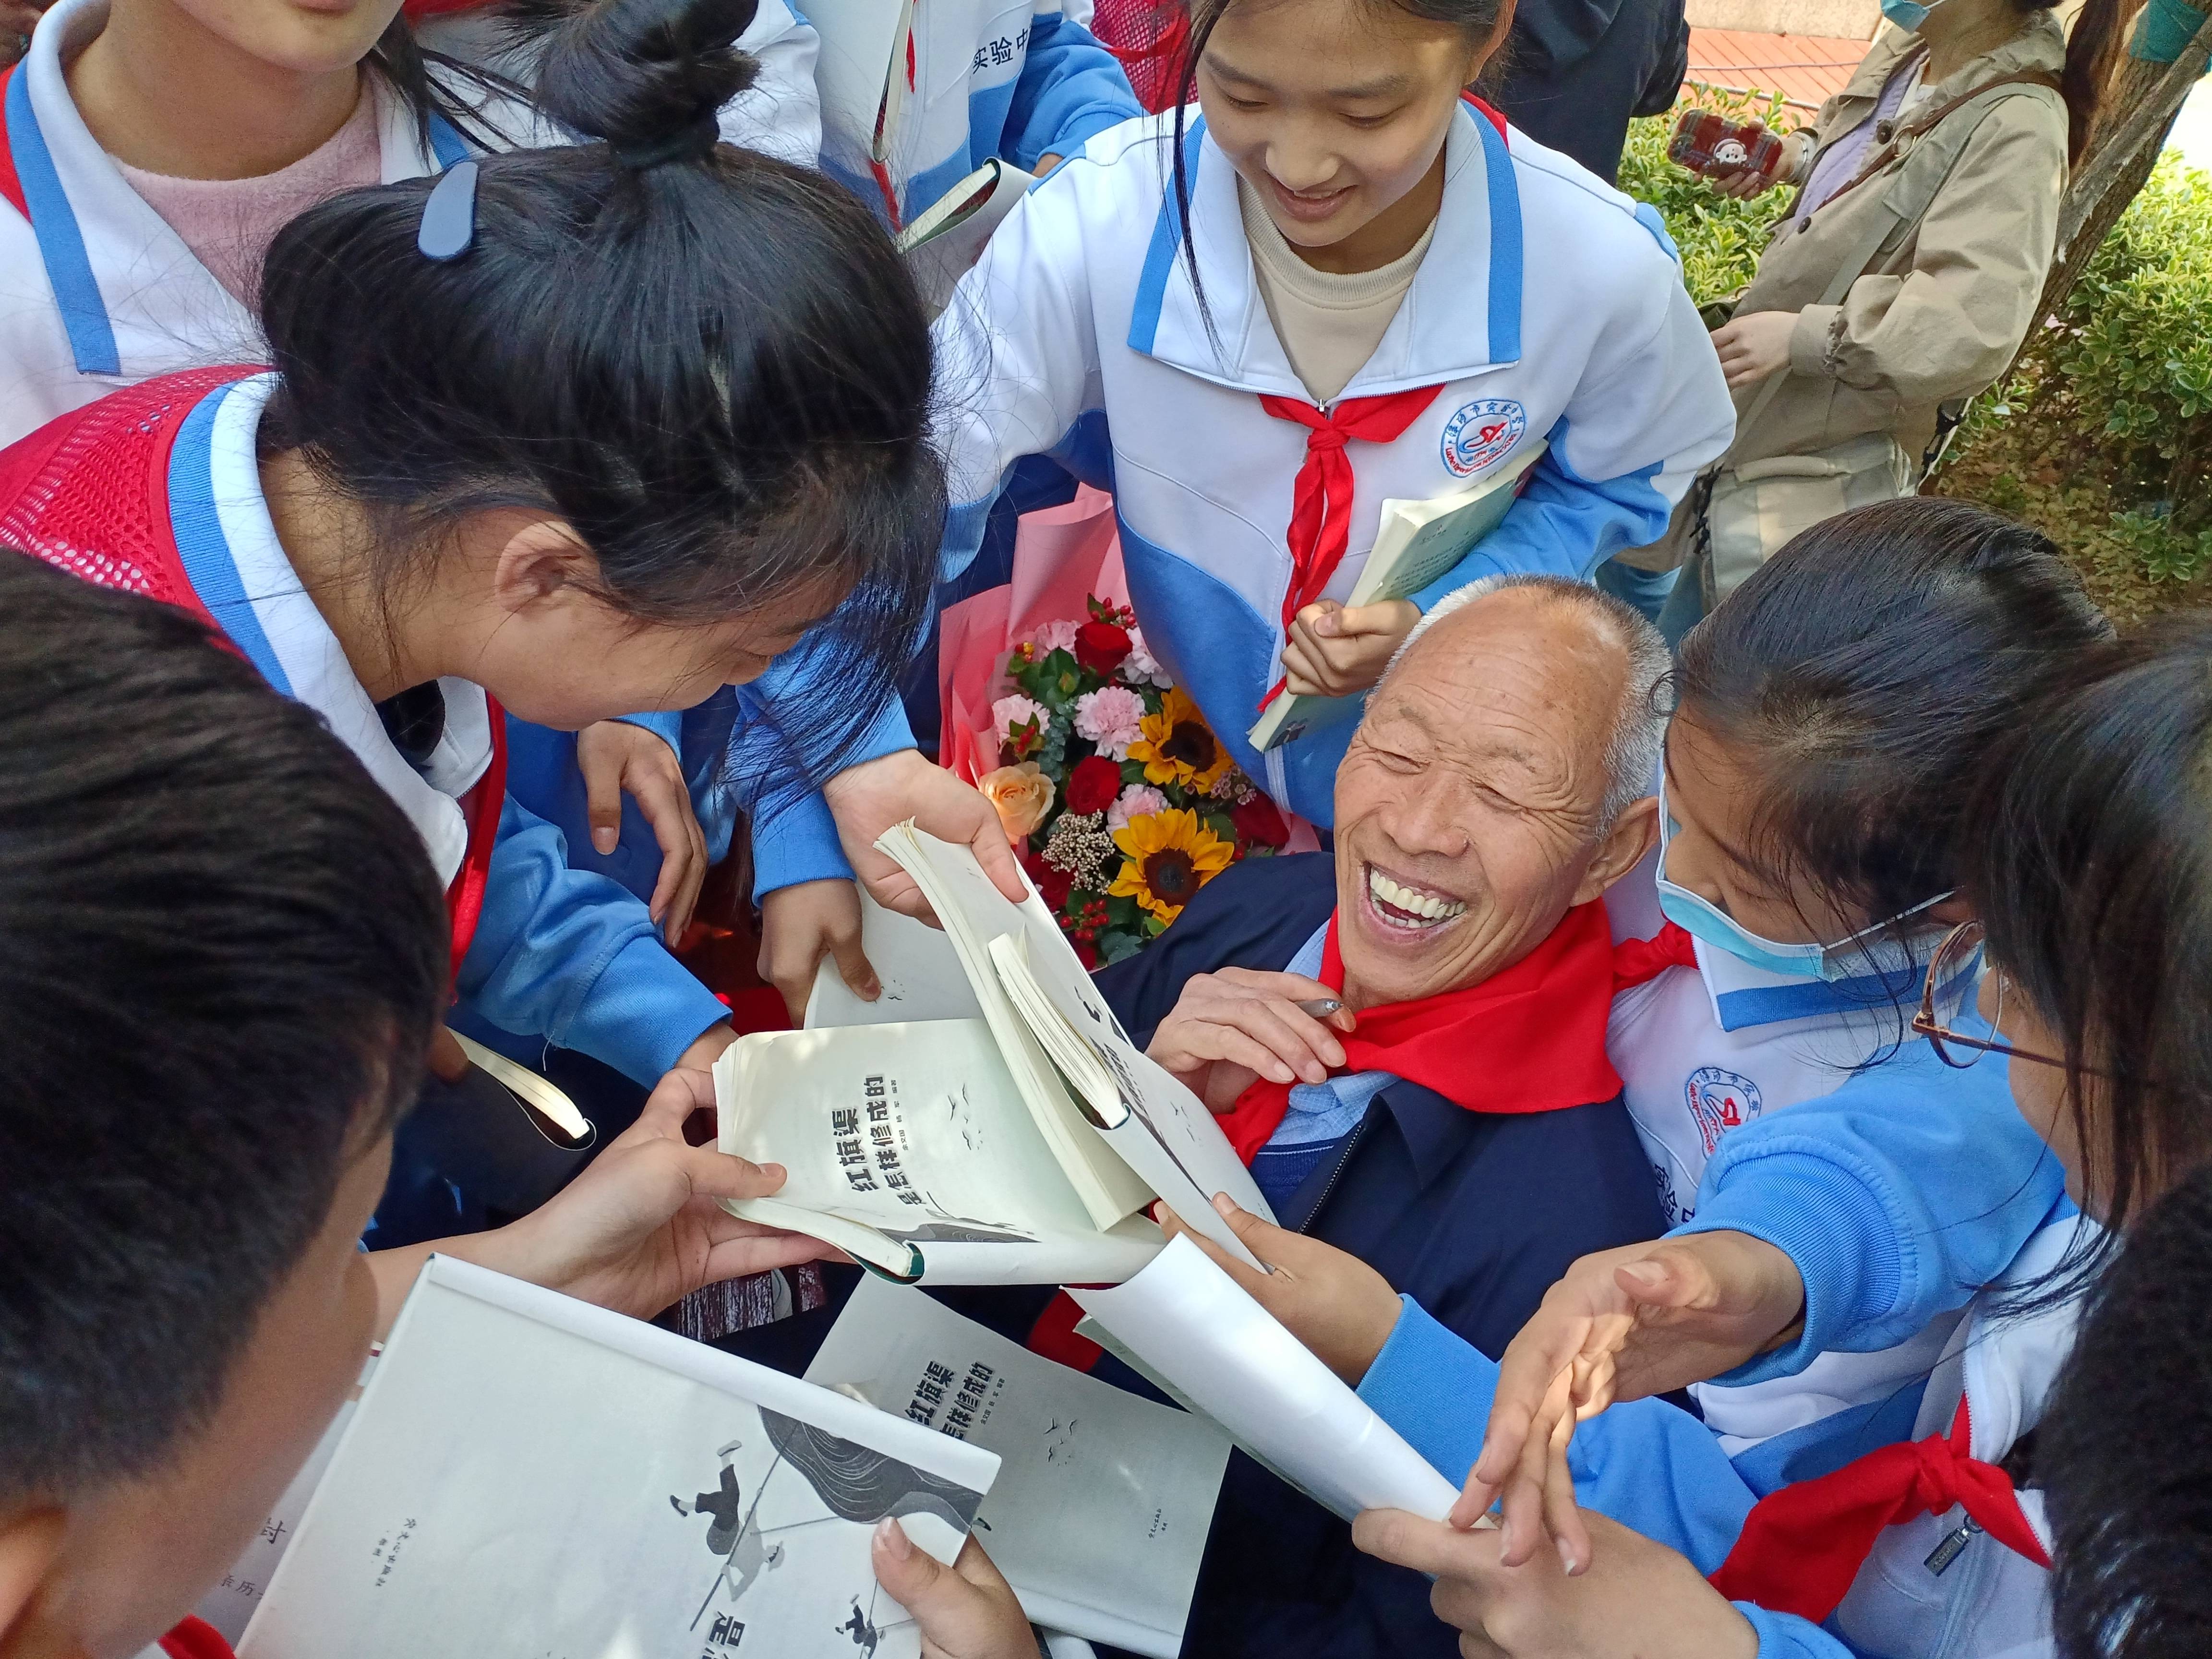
(1700, 918)
(1908, 14)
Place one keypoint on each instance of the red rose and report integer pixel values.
(1093, 785)
(1053, 885)
(1258, 822)
(1101, 647)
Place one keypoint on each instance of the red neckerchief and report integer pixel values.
(1803, 1544)
(194, 1638)
(481, 808)
(1529, 1039)
(1635, 960)
(1321, 496)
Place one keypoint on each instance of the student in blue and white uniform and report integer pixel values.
(1382, 291)
(1026, 83)
(523, 551)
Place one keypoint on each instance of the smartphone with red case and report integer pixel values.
(1718, 148)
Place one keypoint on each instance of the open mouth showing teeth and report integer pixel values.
(1409, 907)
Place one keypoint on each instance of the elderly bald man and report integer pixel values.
(1456, 1124)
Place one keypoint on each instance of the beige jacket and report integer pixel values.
(1939, 314)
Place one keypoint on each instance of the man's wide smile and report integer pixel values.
(1407, 906)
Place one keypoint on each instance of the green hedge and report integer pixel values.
(2102, 435)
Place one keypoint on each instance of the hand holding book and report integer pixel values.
(1339, 651)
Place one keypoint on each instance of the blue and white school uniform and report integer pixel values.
(1803, 1112)
(1015, 79)
(96, 291)
(557, 953)
(779, 114)
(1548, 306)
(1652, 1467)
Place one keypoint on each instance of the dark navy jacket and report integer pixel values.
(1474, 1215)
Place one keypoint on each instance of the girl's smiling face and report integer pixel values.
(1335, 112)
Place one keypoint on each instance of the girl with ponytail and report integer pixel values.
(566, 432)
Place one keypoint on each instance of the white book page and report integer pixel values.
(530, 1478)
(1221, 1351)
(1099, 1515)
(915, 1130)
(921, 971)
(974, 913)
(1154, 1124)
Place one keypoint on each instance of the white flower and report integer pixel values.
(1141, 667)
(1009, 714)
(1138, 800)
(1111, 717)
(1053, 637)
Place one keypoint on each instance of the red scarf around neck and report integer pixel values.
(1529, 1039)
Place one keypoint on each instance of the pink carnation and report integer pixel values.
(1110, 717)
(1138, 800)
(1054, 636)
(1141, 667)
(1009, 714)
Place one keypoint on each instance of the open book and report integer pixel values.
(1415, 543)
(1098, 1517)
(1191, 1329)
(942, 241)
(529, 1475)
(1019, 1144)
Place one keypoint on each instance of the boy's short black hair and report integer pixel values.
(222, 952)
(2124, 1449)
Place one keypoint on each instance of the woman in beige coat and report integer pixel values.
(1901, 280)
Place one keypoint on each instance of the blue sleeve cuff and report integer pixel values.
(668, 725)
(1844, 1242)
(1785, 1636)
(795, 840)
(642, 1012)
(1434, 1388)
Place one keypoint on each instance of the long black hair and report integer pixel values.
(712, 365)
(1864, 669)
(1476, 19)
(2088, 853)
(222, 954)
(2093, 48)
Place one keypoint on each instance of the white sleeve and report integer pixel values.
(781, 114)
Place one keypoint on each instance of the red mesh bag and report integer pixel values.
(89, 492)
(1149, 37)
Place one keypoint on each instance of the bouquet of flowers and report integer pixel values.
(1128, 801)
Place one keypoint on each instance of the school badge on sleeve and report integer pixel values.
(1720, 1101)
(1482, 433)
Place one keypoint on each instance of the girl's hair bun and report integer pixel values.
(639, 73)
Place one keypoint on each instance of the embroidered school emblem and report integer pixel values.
(1720, 1101)
(1482, 433)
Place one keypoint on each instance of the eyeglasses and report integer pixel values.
(1951, 959)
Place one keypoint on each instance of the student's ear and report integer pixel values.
(1634, 833)
(540, 559)
(30, 1542)
(1491, 45)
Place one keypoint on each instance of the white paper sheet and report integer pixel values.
(1228, 1356)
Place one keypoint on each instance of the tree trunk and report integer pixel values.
(2139, 107)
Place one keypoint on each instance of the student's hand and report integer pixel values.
(1329, 1299)
(707, 1047)
(617, 758)
(1045, 163)
(1754, 346)
(966, 1611)
(1621, 1325)
(1334, 652)
(1642, 1601)
(868, 799)
(1229, 1028)
(639, 1227)
(804, 923)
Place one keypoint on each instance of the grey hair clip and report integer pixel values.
(449, 217)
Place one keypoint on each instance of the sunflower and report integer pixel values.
(1169, 856)
(1177, 746)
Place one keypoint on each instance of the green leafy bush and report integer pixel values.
(1720, 239)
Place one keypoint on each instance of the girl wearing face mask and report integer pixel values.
(1335, 280)
(1901, 280)
(526, 448)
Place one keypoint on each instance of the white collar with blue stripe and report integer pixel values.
(132, 261)
(1462, 316)
(1744, 996)
(229, 550)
